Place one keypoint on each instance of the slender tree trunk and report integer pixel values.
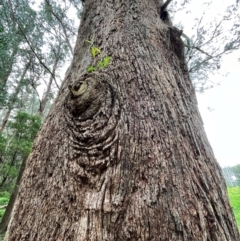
(5, 176)
(123, 155)
(14, 96)
(45, 98)
(8, 67)
(62, 25)
(5, 119)
(6, 217)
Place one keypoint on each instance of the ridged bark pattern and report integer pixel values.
(127, 159)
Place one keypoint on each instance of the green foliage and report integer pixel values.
(104, 63)
(234, 196)
(4, 196)
(4, 199)
(16, 146)
(95, 51)
(25, 126)
(90, 69)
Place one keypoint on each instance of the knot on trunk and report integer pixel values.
(92, 113)
(85, 96)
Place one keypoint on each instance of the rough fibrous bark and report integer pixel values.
(123, 154)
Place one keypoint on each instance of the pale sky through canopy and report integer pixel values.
(219, 106)
(222, 123)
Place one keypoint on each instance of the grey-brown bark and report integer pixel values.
(123, 154)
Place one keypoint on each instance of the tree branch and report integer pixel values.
(165, 5)
(29, 44)
(63, 27)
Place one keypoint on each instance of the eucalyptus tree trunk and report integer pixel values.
(46, 94)
(14, 96)
(123, 155)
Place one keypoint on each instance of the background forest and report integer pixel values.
(36, 46)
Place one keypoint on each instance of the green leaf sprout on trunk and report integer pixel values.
(95, 51)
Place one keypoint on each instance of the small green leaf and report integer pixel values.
(88, 41)
(98, 51)
(95, 51)
(90, 69)
(100, 64)
(104, 62)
